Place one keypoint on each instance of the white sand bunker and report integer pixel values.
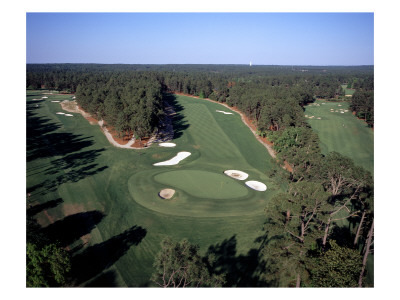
(224, 112)
(60, 113)
(167, 144)
(175, 160)
(45, 97)
(256, 185)
(55, 101)
(69, 115)
(166, 193)
(236, 174)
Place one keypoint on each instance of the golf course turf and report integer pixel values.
(342, 132)
(103, 202)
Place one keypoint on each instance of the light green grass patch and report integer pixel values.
(343, 133)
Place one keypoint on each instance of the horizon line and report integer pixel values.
(220, 64)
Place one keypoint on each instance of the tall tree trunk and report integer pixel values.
(298, 280)
(326, 233)
(368, 245)
(287, 216)
(359, 228)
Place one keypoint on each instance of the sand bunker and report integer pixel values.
(60, 113)
(236, 174)
(167, 144)
(69, 115)
(224, 112)
(166, 193)
(256, 185)
(45, 97)
(55, 101)
(175, 160)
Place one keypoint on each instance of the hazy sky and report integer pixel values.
(201, 38)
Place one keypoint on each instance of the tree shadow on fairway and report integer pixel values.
(71, 228)
(71, 161)
(178, 122)
(43, 141)
(241, 270)
(33, 210)
(106, 279)
(94, 259)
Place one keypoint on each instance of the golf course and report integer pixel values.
(339, 130)
(103, 204)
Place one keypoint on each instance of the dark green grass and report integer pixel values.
(343, 133)
(103, 201)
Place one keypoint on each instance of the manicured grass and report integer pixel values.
(343, 132)
(347, 91)
(203, 184)
(103, 202)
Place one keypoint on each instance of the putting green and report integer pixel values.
(203, 184)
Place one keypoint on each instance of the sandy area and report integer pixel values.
(236, 174)
(224, 112)
(72, 106)
(111, 139)
(256, 185)
(167, 144)
(175, 160)
(166, 193)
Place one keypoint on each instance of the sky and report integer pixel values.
(201, 38)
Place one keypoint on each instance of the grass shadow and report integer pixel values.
(106, 279)
(178, 120)
(241, 270)
(33, 210)
(71, 228)
(99, 257)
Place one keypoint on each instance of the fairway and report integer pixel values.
(342, 132)
(347, 91)
(104, 201)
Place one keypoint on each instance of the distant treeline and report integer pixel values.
(273, 96)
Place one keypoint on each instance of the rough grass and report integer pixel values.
(103, 201)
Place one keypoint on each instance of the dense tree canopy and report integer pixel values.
(180, 265)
